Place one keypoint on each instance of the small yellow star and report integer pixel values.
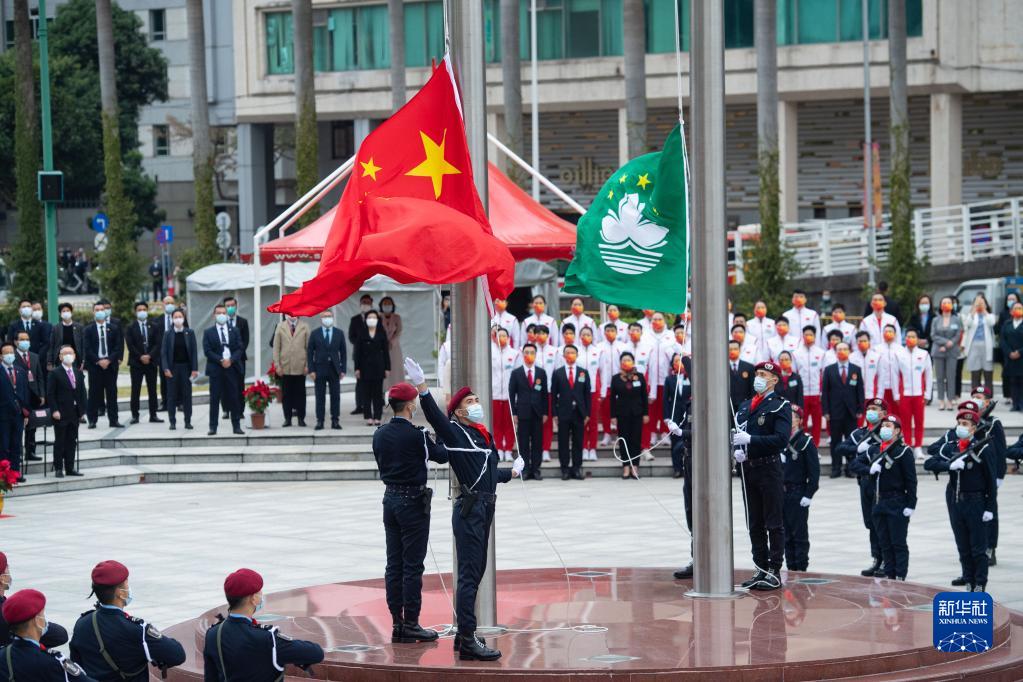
(621, 180)
(643, 181)
(369, 169)
(610, 194)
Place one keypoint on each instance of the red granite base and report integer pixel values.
(636, 624)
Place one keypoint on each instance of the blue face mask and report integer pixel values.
(259, 606)
(475, 412)
(128, 599)
(886, 433)
(925, 307)
(873, 416)
(46, 627)
(962, 432)
(100, 315)
(24, 345)
(759, 384)
(231, 310)
(221, 318)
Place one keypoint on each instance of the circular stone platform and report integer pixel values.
(630, 623)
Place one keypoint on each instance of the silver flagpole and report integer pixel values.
(868, 157)
(534, 97)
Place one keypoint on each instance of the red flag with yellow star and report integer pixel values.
(410, 210)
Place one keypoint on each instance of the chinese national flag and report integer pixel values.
(410, 210)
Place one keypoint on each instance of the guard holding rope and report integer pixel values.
(678, 393)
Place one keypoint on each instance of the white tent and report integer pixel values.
(417, 304)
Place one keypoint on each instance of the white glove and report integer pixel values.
(740, 456)
(907, 512)
(414, 372)
(987, 516)
(804, 502)
(783, 458)
(875, 468)
(518, 465)
(957, 465)
(863, 446)
(673, 428)
(999, 482)
(741, 438)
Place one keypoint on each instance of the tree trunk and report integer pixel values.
(634, 48)
(307, 172)
(202, 148)
(511, 76)
(396, 21)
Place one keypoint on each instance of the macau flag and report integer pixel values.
(631, 246)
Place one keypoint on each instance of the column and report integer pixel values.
(495, 125)
(363, 127)
(255, 180)
(623, 138)
(788, 160)
(946, 149)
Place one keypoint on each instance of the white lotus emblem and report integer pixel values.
(630, 243)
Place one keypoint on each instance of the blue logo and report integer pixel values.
(963, 622)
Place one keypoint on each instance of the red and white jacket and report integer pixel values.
(868, 364)
(915, 368)
(609, 360)
(889, 368)
(661, 343)
(875, 327)
(809, 362)
(502, 362)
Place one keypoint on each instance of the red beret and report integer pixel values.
(23, 605)
(242, 583)
(969, 406)
(3, 562)
(769, 367)
(894, 420)
(403, 391)
(875, 402)
(969, 414)
(109, 573)
(457, 398)
(983, 390)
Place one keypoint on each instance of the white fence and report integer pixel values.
(950, 234)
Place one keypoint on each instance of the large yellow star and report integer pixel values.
(435, 166)
(643, 181)
(369, 169)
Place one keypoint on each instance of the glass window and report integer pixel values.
(583, 30)
(738, 23)
(342, 139)
(817, 21)
(371, 36)
(660, 20)
(8, 34)
(611, 27)
(549, 31)
(279, 55)
(157, 25)
(424, 33)
(492, 30)
(161, 140)
(914, 18)
(851, 21)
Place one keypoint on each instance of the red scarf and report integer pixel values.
(963, 444)
(885, 444)
(757, 399)
(483, 430)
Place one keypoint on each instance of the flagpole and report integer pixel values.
(470, 344)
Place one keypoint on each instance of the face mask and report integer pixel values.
(529, 359)
(798, 301)
(365, 307)
(889, 336)
(925, 307)
(760, 313)
(1017, 313)
(878, 306)
(475, 412)
(142, 315)
(169, 308)
(658, 325)
(23, 346)
(8, 359)
(179, 322)
(628, 366)
(501, 306)
(786, 365)
(838, 316)
(587, 340)
(538, 308)
(570, 358)
(873, 416)
(759, 384)
(635, 336)
(782, 331)
(542, 339)
(327, 321)
(569, 339)
(128, 599)
(26, 312)
(911, 343)
(733, 354)
(612, 315)
(46, 626)
(100, 315)
(808, 340)
(962, 432)
(864, 346)
(502, 341)
(37, 315)
(610, 336)
(842, 355)
(371, 322)
(259, 606)
(66, 315)
(221, 318)
(387, 308)
(577, 309)
(231, 310)
(68, 360)
(886, 433)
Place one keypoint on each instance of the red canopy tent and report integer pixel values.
(529, 229)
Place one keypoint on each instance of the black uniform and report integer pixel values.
(239, 649)
(970, 493)
(769, 426)
(991, 429)
(529, 403)
(628, 407)
(894, 491)
(112, 646)
(25, 659)
(802, 471)
(401, 450)
(55, 635)
(473, 458)
(678, 393)
(570, 399)
(847, 449)
(791, 388)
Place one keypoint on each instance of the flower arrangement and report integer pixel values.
(273, 376)
(258, 397)
(8, 477)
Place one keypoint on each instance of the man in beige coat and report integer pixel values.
(290, 341)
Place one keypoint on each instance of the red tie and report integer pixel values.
(13, 376)
(843, 374)
(529, 375)
(571, 377)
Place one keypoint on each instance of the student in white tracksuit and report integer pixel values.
(503, 360)
(783, 339)
(760, 330)
(609, 358)
(660, 339)
(539, 316)
(578, 318)
(839, 322)
(889, 370)
(917, 381)
(799, 316)
(875, 323)
(502, 318)
(867, 359)
(589, 360)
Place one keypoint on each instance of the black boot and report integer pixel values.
(872, 570)
(411, 632)
(472, 649)
(458, 642)
(958, 582)
(756, 577)
(992, 558)
(684, 573)
(980, 587)
(769, 581)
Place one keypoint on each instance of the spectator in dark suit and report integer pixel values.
(179, 358)
(327, 360)
(790, 384)
(236, 321)
(104, 348)
(67, 333)
(528, 399)
(372, 358)
(45, 332)
(570, 400)
(143, 341)
(164, 326)
(920, 322)
(841, 402)
(38, 330)
(356, 328)
(65, 393)
(1011, 339)
(740, 382)
(29, 362)
(628, 413)
(14, 399)
(222, 347)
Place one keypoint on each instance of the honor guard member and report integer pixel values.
(990, 428)
(678, 394)
(859, 441)
(402, 451)
(473, 458)
(892, 470)
(109, 644)
(971, 494)
(25, 658)
(763, 429)
(55, 636)
(802, 471)
(239, 649)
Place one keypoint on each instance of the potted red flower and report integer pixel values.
(258, 397)
(273, 376)
(8, 479)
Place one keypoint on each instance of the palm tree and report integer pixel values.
(634, 48)
(511, 76)
(202, 148)
(306, 135)
(396, 25)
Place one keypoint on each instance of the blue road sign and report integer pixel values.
(100, 222)
(165, 235)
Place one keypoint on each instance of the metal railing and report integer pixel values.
(949, 234)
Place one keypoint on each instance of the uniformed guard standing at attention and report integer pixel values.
(401, 450)
(891, 467)
(239, 649)
(990, 429)
(678, 394)
(109, 644)
(802, 470)
(763, 428)
(971, 467)
(473, 458)
(55, 635)
(25, 658)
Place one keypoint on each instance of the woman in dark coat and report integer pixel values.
(1011, 336)
(790, 385)
(920, 321)
(372, 365)
(629, 411)
(1004, 316)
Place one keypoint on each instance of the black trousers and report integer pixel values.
(530, 439)
(630, 436)
(293, 395)
(1015, 388)
(65, 440)
(239, 400)
(372, 398)
(687, 489)
(179, 393)
(30, 440)
(148, 373)
(102, 386)
(971, 536)
(163, 387)
(797, 531)
(959, 376)
(472, 538)
(158, 289)
(678, 452)
(328, 380)
(570, 444)
(224, 390)
(892, 527)
(10, 441)
(358, 394)
(840, 427)
(867, 510)
(765, 495)
(407, 530)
